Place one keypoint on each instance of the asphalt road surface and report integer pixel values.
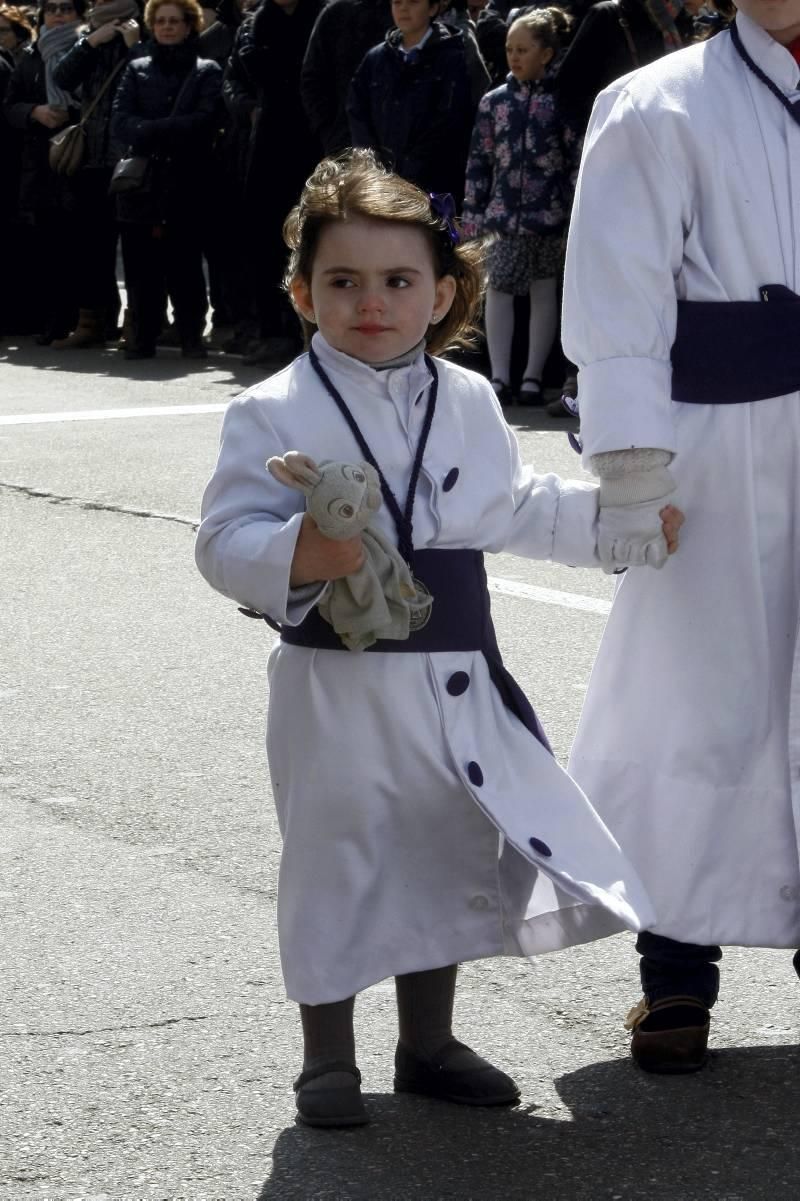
(147, 1046)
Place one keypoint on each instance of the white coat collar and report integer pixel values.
(415, 377)
(773, 59)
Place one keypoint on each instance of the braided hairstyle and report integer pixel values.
(549, 26)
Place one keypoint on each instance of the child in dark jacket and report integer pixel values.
(411, 103)
(520, 177)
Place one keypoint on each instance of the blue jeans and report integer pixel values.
(669, 968)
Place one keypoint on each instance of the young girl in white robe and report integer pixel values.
(682, 310)
(424, 819)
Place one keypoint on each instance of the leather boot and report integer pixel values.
(670, 1036)
(90, 331)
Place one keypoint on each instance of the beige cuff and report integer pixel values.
(630, 477)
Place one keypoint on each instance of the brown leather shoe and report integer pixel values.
(670, 1036)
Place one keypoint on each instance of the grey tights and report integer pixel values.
(424, 1010)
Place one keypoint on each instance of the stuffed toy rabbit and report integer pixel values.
(381, 599)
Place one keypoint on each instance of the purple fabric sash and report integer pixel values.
(733, 352)
(460, 620)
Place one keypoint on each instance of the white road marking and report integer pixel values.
(110, 414)
(549, 596)
(545, 596)
(503, 587)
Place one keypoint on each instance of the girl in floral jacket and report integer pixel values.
(520, 177)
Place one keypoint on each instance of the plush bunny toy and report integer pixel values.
(381, 599)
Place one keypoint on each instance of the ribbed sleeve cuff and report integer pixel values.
(637, 487)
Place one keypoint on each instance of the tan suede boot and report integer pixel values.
(670, 1036)
(88, 332)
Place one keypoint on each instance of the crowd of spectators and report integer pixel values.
(229, 110)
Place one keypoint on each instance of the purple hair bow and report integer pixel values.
(443, 205)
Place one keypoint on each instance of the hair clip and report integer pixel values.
(444, 207)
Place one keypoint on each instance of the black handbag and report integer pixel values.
(134, 173)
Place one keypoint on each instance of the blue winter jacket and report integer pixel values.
(416, 111)
(523, 162)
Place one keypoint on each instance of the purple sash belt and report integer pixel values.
(460, 620)
(732, 352)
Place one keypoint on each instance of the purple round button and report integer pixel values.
(450, 479)
(458, 683)
(541, 848)
(475, 774)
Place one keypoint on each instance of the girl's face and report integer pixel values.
(170, 26)
(527, 57)
(412, 17)
(58, 12)
(373, 291)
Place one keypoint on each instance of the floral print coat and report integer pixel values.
(523, 162)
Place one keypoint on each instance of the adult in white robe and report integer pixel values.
(689, 741)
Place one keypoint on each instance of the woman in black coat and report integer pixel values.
(97, 60)
(345, 31)
(224, 248)
(9, 186)
(262, 92)
(615, 37)
(34, 108)
(167, 109)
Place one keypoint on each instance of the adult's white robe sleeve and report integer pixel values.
(624, 255)
(251, 522)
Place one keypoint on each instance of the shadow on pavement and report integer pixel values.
(167, 366)
(726, 1134)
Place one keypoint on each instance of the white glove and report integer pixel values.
(631, 536)
(634, 485)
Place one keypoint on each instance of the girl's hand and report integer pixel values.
(319, 558)
(671, 521)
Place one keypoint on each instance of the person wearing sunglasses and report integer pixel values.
(37, 107)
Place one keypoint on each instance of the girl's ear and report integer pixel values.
(295, 470)
(300, 291)
(547, 54)
(443, 297)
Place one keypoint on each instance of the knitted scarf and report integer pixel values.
(52, 45)
(112, 10)
(663, 13)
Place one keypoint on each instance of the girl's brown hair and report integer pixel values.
(191, 10)
(356, 185)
